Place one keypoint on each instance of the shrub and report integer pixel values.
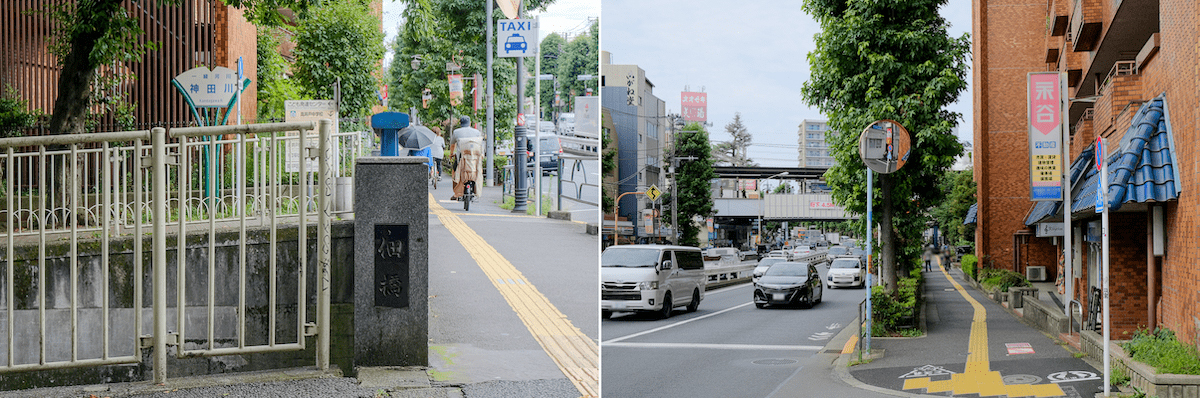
(888, 311)
(1161, 350)
(968, 265)
(1001, 278)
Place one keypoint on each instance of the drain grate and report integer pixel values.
(774, 362)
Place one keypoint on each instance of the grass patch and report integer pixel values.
(1161, 350)
(1080, 354)
(510, 203)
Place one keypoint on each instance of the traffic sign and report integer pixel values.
(653, 193)
(517, 37)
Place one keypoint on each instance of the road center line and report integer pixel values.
(660, 328)
(718, 346)
(575, 354)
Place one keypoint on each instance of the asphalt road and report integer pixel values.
(728, 348)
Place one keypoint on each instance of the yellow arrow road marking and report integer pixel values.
(575, 354)
(978, 378)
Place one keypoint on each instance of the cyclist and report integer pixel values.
(466, 143)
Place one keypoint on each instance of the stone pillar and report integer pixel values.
(391, 262)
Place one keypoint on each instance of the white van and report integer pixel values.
(651, 278)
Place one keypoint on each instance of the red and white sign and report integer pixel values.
(1044, 92)
(695, 106)
(520, 119)
(456, 88)
(822, 205)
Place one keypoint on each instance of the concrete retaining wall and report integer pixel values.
(1141, 375)
(120, 284)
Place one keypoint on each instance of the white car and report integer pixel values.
(763, 265)
(846, 272)
(777, 254)
(836, 251)
(799, 251)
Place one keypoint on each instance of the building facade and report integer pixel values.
(814, 151)
(1132, 79)
(640, 123)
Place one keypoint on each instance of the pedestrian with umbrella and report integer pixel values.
(420, 141)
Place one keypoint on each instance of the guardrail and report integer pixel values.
(119, 185)
(578, 170)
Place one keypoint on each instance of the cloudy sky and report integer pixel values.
(749, 56)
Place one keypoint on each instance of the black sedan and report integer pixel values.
(789, 283)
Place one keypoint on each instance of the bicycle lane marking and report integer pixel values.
(575, 354)
(978, 378)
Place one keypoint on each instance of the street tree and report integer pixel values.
(95, 33)
(692, 180)
(340, 41)
(784, 188)
(950, 213)
(608, 166)
(888, 60)
(435, 32)
(580, 57)
(551, 49)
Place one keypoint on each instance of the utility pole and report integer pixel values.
(491, 119)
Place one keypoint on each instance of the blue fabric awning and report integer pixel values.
(1142, 169)
(972, 214)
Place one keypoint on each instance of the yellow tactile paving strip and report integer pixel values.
(978, 378)
(575, 354)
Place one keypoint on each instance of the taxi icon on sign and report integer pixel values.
(515, 43)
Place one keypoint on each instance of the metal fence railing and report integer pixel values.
(187, 181)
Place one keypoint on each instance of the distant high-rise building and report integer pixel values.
(814, 151)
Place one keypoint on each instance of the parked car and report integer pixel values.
(651, 278)
(789, 283)
(763, 265)
(836, 251)
(846, 271)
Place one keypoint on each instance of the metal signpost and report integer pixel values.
(1102, 208)
(884, 147)
(519, 38)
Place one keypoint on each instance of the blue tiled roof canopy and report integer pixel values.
(972, 214)
(1141, 170)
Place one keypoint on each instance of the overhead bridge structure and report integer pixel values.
(778, 207)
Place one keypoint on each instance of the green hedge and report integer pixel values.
(1161, 350)
(969, 263)
(897, 314)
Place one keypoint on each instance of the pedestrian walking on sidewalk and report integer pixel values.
(927, 267)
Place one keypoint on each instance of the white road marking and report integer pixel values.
(661, 328)
(716, 346)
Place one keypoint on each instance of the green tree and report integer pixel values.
(886, 59)
(784, 188)
(949, 214)
(693, 179)
(435, 32)
(103, 32)
(734, 152)
(551, 49)
(13, 116)
(579, 57)
(340, 41)
(274, 87)
(608, 166)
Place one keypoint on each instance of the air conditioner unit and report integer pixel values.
(1035, 273)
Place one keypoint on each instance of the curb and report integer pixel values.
(841, 365)
(592, 229)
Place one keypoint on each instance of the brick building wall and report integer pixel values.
(1011, 38)
(237, 37)
(1001, 132)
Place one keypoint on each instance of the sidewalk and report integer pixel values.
(973, 347)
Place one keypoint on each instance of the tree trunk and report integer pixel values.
(92, 21)
(887, 237)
